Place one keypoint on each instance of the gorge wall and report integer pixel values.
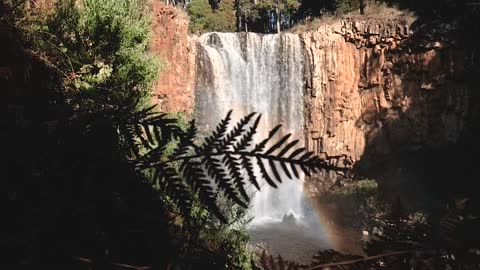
(372, 87)
(174, 90)
(377, 88)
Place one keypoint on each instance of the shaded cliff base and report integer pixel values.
(429, 180)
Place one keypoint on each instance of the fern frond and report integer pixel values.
(128, 134)
(214, 141)
(237, 131)
(247, 139)
(198, 180)
(249, 168)
(225, 163)
(168, 179)
(186, 141)
(259, 147)
(217, 171)
(265, 173)
(234, 167)
(139, 132)
(278, 144)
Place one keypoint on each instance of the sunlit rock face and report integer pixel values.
(364, 88)
(254, 73)
(375, 88)
(174, 90)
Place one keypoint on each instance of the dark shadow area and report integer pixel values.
(425, 155)
(430, 9)
(66, 189)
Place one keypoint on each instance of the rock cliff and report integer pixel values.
(374, 88)
(174, 90)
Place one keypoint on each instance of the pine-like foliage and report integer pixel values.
(227, 162)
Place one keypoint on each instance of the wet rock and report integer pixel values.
(290, 218)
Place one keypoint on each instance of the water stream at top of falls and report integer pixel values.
(247, 73)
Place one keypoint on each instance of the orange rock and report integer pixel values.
(174, 90)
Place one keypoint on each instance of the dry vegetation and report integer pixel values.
(374, 12)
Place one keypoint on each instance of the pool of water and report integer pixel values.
(298, 240)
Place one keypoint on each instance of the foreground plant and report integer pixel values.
(223, 164)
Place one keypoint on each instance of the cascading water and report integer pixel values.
(255, 73)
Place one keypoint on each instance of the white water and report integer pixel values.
(255, 73)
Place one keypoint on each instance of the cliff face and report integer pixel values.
(174, 90)
(373, 87)
(376, 88)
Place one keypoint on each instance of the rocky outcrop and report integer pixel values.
(174, 90)
(376, 87)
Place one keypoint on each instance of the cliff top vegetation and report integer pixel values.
(269, 16)
(375, 13)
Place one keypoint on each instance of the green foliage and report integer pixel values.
(289, 8)
(417, 217)
(93, 159)
(101, 47)
(261, 15)
(223, 18)
(183, 123)
(265, 11)
(204, 19)
(356, 201)
(249, 15)
(345, 6)
(365, 187)
(221, 245)
(199, 11)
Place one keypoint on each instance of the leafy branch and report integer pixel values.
(228, 162)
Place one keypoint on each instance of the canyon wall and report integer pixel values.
(373, 86)
(376, 88)
(174, 90)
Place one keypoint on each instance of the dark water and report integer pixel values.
(298, 241)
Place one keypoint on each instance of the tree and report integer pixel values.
(283, 11)
(290, 8)
(277, 12)
(223, 18)
(245, 11)
(199, 12)
(363, 5)
(314, 8)
(242, 15)
(204, 18)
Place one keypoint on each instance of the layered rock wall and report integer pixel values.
(376, 88)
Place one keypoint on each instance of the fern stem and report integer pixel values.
(258, 155)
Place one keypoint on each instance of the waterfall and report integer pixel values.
(249, 72)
